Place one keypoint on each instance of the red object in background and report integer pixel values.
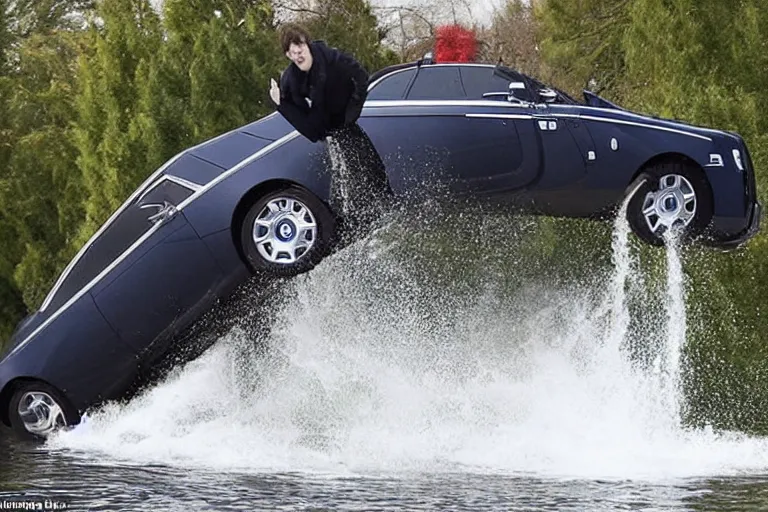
(455, 43)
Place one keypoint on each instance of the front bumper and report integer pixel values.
(752, 228)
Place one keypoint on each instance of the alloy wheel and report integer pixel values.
(40, 414)
(285, 230)
(672, 205)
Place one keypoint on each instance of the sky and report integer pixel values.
(481, 10)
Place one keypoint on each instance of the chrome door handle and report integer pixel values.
(165, 211)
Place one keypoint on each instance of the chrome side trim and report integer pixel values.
(500, 116)
(146, 235)
(643, 125)
(142, 188)
(600, 119)
(627, 113)
(442, 103)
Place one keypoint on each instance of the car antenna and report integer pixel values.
(426, 59)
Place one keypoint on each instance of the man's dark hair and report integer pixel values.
(291, 33)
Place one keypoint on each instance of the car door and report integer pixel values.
(561, 142)
(436, 136)
(167, 274)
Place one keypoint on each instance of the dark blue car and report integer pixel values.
(258, 200)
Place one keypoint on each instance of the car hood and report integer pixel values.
(230, 148)
(614, 111)
(270, 127)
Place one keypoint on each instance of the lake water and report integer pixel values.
(88, 481)
(374, 390)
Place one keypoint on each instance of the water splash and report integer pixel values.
(340, 174)
(371, 368)
(669, 367)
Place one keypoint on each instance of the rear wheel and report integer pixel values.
(670, 196)
(37, 410)
(287, 232)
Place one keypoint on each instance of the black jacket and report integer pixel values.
(336, 85)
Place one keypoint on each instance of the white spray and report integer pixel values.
(370, 369)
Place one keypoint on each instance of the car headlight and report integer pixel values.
(737, 159)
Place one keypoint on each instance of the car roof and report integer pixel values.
(378, 75)
(427, 62)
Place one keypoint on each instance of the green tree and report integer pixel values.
(581, 43)
(351, 26)
(28, 17)
(6, 38)
(112, 152)
(42, 190)
(234, 55)
(39, 185)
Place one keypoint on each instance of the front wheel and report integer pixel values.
(287, 232)
(669, 197)
(37, 410)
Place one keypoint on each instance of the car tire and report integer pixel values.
(292, 237)
(669, 195)
(37, 410)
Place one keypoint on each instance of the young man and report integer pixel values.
(323, 89)
(321, 94)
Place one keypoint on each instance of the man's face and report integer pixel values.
(300, 55)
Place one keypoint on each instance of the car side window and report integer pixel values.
(480, 80)
(439, 83)
(125, 229)
(393, 86)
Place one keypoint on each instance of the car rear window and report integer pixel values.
(392, 87)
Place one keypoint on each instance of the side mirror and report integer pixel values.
(548, 95)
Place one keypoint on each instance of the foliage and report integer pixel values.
(581, 43)
(112, 151)
(39, 181)
(511, 38)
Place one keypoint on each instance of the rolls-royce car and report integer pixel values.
(258, 200)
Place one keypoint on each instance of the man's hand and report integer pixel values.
(274, 91)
